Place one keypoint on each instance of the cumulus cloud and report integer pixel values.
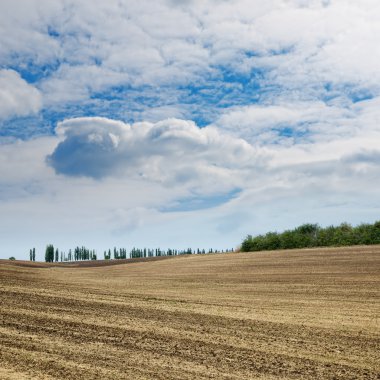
(17, 97)
(170, 152)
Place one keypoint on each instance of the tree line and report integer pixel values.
(312, 235)
(82, 253)
(78, 254)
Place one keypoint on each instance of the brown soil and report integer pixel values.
(308, 314)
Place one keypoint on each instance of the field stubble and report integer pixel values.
(308, 314)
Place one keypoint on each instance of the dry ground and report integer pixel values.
(310, 314)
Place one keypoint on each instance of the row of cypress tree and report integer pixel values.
(312, 235)
(144, 252)
(83, 253)
(79, 254)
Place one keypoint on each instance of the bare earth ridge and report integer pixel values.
(307, 314)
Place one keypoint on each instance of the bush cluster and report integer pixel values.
(312, 235)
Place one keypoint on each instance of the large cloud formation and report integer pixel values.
(232, 52)
(170, 152)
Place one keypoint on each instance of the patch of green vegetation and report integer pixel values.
(312, 235)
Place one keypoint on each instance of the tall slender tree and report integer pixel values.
(49, 253)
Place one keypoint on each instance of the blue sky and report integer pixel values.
(185, 123)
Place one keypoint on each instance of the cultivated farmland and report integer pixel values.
(307, 314)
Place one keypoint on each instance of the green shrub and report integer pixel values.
(312, 235)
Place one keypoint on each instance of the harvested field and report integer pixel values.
(308, 314)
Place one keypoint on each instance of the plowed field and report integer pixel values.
(308, 314)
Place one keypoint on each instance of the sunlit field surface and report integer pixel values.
(307, 314)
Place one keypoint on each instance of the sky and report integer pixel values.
(187, 123)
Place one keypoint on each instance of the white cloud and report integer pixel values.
(302, 43)
(171, 152)
(17, 97)
(24, 31)
(311, 122)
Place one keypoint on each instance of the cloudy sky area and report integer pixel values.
(185, 123)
